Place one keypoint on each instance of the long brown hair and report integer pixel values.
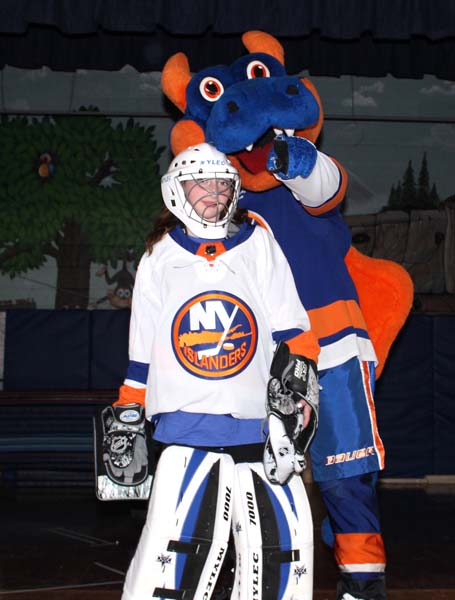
(166, 221)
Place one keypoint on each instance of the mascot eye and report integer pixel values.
(257, 69)
(211, 89)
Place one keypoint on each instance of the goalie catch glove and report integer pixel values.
(124, 455)
(292, 389)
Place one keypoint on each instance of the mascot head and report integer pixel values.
(242, 107)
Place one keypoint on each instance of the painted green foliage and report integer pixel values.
(76, 189)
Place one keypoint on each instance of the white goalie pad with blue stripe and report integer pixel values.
(198, 498)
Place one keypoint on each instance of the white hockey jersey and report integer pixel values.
(204, 318)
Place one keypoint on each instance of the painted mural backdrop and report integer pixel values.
(76, 194)
(416, 228)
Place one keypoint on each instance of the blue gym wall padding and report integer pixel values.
(47, 349)
(415, 397)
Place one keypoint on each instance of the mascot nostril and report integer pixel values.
(232, 107)
(292, 90)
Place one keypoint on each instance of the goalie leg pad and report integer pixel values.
(273, 534)
(185, 537)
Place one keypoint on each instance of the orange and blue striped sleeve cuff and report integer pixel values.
(130, 395)
(305, 344)
(300, 342)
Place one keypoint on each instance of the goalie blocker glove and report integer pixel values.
(122, 457)
(293, 384)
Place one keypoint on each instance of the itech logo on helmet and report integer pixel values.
(214, 335)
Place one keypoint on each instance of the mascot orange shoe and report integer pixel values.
(268, 123)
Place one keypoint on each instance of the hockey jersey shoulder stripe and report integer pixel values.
(260, 221)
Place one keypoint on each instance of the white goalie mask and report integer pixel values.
(201, 188)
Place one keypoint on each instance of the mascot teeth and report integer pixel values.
(279, 131)
(249, 148)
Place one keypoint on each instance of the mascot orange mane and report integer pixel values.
(268, 122)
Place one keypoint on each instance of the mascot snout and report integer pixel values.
(230, 126)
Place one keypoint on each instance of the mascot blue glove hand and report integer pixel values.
(291, 157)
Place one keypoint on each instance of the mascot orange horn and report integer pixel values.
(268, 123)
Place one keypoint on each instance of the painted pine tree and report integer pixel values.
(423, 185)
(409, 194)
(78, 190)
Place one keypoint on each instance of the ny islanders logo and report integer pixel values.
(214, 335)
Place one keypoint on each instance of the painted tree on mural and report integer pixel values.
(409, 194)
(78, 190)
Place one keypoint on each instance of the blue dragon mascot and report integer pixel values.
(268, 123)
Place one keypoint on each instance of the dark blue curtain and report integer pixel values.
(404, 38)
(340, 19)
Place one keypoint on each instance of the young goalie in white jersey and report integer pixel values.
(224, 362)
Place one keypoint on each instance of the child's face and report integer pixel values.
(209, 198)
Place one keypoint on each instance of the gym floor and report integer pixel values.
(67, 545)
